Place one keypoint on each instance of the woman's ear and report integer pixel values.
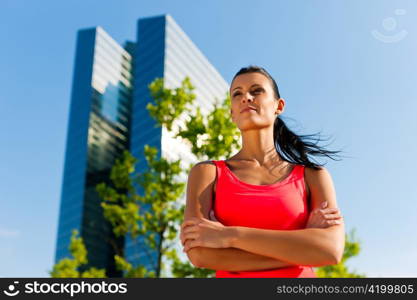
(280, 107)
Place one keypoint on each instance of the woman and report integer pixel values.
(272, 216)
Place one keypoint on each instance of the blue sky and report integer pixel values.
(336, 76)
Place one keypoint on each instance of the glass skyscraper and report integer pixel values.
(108, 114)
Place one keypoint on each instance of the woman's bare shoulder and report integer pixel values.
(320, 185)
(201, 179)
(312, 175)
(204, 165)
(206, 169)
(210, 162)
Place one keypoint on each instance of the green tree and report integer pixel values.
(169, 103)
(70, 267)
(213, 136)
(156, 214)
(352, 248)
(153, 215)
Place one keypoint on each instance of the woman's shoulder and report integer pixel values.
(203, 163)
(317, 179)
(207, 167)
(203, 173)
(312, 174)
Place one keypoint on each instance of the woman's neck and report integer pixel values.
(258, 146)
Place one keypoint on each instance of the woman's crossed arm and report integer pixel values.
(211, 245)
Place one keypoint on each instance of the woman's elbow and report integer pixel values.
(335, 253)
(195, 257)
(327, 257)
(338, 254)
(335, 247)
(328, 254)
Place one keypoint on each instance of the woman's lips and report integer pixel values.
(247, 109)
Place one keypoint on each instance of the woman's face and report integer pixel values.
(254, 90)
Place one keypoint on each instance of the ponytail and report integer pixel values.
(294, 148)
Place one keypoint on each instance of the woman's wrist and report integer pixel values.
(231, 236)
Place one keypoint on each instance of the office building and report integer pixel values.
(108, 114)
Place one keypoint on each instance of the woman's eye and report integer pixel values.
(257, 90)
(252, 92)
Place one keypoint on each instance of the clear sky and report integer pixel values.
(345, 68)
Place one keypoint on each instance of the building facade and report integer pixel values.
(108, 114)
(98, 132)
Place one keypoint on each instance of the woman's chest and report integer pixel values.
(283, 208)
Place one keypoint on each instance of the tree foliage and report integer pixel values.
(212, 136)
(70, 267)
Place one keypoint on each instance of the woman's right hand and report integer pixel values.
(324, 217)
(211, 216)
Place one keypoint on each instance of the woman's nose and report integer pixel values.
(247, 97)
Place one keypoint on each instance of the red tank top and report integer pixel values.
(281, 206)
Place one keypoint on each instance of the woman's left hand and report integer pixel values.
(200, 232)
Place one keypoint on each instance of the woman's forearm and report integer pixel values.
(235, 260)
(309, 247)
